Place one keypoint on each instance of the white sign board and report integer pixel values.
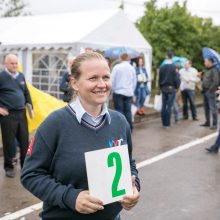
(109, 175)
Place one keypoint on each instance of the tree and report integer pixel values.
(9, 8)
(174, 28)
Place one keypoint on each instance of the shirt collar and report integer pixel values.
(80, 111)
(11, 74)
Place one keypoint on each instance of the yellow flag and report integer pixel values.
(43, 104)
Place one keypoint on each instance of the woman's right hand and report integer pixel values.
(87, 204)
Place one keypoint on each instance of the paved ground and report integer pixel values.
(185, 186)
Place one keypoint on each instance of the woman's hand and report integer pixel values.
(87, 204)
(129, 202)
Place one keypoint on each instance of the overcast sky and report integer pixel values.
(133, 8)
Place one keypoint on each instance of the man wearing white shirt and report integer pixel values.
(124, 82)
(189, 77)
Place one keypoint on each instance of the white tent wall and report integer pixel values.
(27, 65)
(61, 35)
(117, 31)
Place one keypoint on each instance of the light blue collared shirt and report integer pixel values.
(82, 114)
(124, 79)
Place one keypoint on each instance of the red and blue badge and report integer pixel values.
(30, 148)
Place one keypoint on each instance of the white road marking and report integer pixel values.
(176, 150)
(144, 163)
(23, 212)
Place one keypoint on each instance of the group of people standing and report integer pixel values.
(173, 79)
(128, 81)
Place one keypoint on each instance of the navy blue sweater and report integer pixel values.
(14, 93)
(168, 78)
(54, 169)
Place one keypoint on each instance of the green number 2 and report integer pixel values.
(111, 157)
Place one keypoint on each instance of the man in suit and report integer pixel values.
(14, 96)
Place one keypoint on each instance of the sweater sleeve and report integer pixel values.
(36, 176)
(134, 170)
(27, 95)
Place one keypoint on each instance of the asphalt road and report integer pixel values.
(184, 186)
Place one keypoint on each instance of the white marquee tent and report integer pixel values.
(44, 42)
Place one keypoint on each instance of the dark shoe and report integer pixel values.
(205, 125)
(10, 173)
(195, 119)
(213, 127)
(212, 150)
(185, 118)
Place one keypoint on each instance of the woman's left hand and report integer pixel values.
(129, 202)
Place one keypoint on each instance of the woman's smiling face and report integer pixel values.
(94, 84)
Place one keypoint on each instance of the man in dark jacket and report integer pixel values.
(64, 84)
(14, 96)
(210, 83)
(169, 83)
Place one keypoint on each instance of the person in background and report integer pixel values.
(189, 77)
(215, 147)
(14, 96)
(124, 81)
(88, 50)
(210, 82)
(141, 90)
(175, 102)
(54, 169)
(169, 83)
(64, 84)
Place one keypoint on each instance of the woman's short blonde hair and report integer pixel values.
(75, 68)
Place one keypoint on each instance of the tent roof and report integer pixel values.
(99, 28)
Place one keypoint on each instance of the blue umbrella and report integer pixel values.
(115, 52)
(210, 53)
(175, 60)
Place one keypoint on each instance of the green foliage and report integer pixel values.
(174, 28)
(11, 8)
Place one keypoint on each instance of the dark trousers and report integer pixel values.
(123, 104)
(210, 106)
(189, 95)
(14, 126)
(167, 103)
(216, 145)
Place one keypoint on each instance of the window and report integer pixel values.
(48, 69)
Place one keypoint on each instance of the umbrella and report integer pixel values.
(210, 53)
(175, 60)
(115, 52)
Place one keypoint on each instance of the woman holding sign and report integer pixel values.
(55, 169)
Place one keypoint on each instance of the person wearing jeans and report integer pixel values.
(210, 84)
(189, 77)
(122, 104)
(169, 83)
(124, 82)
(167, 103)
(142, 90)
(189, 95)
(215, 147)
(210, 106)
(176, 107)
